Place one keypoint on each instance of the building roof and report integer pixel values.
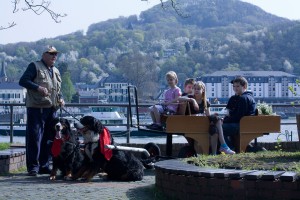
(10, 86)
(84, 86)
(89, 93)
(251, 73)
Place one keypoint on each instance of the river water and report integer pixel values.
(291, 129)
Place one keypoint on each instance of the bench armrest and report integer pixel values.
(260, 124)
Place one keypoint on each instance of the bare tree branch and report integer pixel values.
(8, 26)
(15, 6)
(38, 9)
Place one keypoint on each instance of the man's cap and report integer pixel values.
(50, 49)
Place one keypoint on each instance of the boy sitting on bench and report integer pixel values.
(239, 105)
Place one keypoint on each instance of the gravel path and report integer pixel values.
(20, 186)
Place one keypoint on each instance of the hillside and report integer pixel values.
(215, 35)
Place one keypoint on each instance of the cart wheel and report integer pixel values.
(153, 150)
(186, 152)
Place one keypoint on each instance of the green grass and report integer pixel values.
(15, 172)
(4, 145)
(268, 160)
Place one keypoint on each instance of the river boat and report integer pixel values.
(221, 111)
(114, 120)
(18, 130)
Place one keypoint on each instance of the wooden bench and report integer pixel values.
(252, 127)
(196, 127)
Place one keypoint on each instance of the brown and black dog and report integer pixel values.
(66, 154)
(119, 165)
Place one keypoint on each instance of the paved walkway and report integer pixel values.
(22, 187)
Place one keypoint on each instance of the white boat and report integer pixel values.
(218, 110)
(18, 130)
(114, 120)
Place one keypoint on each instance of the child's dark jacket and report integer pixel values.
(240, 106)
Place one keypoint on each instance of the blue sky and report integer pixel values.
(83, 13)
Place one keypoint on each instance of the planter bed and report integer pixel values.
(179, 180)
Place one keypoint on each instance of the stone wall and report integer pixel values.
(187, 182)
(12, 160)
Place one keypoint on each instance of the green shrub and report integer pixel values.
(4, 145)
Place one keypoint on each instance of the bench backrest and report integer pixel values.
(187, 124)
(200, 124)
(260, 124)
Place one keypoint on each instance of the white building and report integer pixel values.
(11, 92)
(113, 92)
(105, 91)
(268, 86)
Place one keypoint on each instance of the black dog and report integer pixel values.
(66, 154)
(119, 165)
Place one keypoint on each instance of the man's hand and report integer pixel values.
(43, 91)
(61, 102)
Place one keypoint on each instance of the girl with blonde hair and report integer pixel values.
(200, 105)
(170, 104)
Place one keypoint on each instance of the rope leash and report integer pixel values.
(63, 109)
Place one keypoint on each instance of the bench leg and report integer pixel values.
(245, 139)
(201, 142)
(169, 145)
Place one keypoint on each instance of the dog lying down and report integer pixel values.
(117, 164)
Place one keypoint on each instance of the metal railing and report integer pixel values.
(9, 109)
(130, 109)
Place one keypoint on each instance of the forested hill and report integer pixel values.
(200, 13)
(206, 36)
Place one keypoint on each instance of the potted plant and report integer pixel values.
(264, 109)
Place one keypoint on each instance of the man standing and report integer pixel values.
(43, 83)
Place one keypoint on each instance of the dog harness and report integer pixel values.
(56, 147)
(57, 144)
(104, 140)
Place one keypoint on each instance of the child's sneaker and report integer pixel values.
(156, 127)
(226, 150)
